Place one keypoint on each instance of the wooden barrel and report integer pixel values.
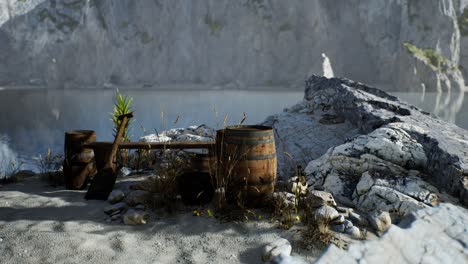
(78, 160)
(195, 185)
(249, 161)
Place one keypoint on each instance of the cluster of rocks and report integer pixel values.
(191, 133)
(432, 235)
(322, 207)
(128, 208)
(370, 150)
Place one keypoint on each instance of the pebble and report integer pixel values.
(116, 196)
(326, 213)
(133, 217)
(318, 198)
(338, 228)
(354, 232)
(380, 221)
(348, 224)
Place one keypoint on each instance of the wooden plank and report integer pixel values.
(161, 145)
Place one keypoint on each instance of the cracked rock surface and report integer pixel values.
(432, 235)
(385, 153)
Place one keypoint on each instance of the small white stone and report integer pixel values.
(326, 213)
(380, 221)
(278, 247)
(132, 217)
(354, 232)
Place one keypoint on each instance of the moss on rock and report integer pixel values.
(430, 56)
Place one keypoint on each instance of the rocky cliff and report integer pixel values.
(399, 44)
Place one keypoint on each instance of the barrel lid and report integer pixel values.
(249, 130)
(80, 132)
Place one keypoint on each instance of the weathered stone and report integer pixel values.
(133, 217)
(348, 224)
(380, 221)
(364, 184)
(396, 140)
(358, 219)
(339, 220)
(432, 235)
(340, 228)
(136, 197)
(278, 247)
(116, 196)
(354, 232)
(115, 207)
(318, 198)
(325, 213)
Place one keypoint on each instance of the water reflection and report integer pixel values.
(36, 119)
(451, 107)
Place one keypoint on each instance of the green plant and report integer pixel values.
(429, 56)
(122, 106)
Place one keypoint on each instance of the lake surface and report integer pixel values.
(35, 120)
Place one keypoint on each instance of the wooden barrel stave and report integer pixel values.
(249, 157)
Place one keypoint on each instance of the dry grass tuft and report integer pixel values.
(318, 235)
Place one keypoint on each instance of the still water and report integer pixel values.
(35, 120)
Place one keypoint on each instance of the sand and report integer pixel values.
(42, 224)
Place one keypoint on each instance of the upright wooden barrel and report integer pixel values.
(78, 160)
(249, 161)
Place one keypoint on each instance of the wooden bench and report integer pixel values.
(159, 145)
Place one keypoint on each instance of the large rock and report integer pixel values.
(317, 198)
(432, 235)
(388, 153)
(164, 44)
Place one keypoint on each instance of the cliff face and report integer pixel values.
(233, 44)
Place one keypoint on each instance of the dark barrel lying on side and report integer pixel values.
(78, 161)
(249, 164)
(195, 183)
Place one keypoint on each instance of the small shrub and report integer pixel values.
(50, 167)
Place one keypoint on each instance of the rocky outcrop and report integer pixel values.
(226, 44)
(382, 153)
(432, 235)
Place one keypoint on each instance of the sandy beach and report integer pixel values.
(42, 224)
